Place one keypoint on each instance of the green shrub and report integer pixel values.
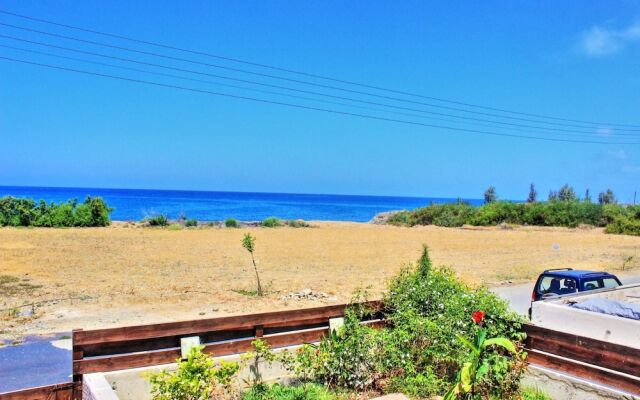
(175, 227)
(624, 226)
(448, 215)
(568, 213)
(232, 223)
(305, 391)
(401, 218)
(271, 222)
(419, 351)
(198, 377)
(158, 220)
(298, 223)
(530, 393)
(191, 223)
(26, 212)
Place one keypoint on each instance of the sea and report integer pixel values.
(137, 204)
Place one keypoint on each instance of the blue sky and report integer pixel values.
(546, 57)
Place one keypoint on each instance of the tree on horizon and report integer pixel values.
(607, 197)
(533, 194)
(587, 196)
(490, 195)
(566, 193)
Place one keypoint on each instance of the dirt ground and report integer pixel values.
(124, 275)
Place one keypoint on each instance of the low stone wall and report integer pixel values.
(566, 387)
(133, 384)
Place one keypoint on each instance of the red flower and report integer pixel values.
(477, 316)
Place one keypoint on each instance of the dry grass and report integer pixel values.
(126, 275)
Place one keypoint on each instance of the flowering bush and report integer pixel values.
(428, 311)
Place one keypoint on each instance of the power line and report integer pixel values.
(252, 89)
(148, 53)
(474, 119)
(195, 52)
(304, 107)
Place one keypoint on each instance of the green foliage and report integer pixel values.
(298, 223)
(231, 223)
(197, 378)
(566, 193)
(305, 391)
(26, 212)
(450, 215)
(419, 352)
(490, 195)
(401, 218)
(271, 222)
(533, 194)
(569, 213)
(607, 197)
(248, 242)
(190, 223)
(624, 226)
(157, 220)
(530, 393)
(175, 227)
(483, 362)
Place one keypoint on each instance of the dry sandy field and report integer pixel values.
(125, 274)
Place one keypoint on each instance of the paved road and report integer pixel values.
(37, 363)
(519, 296)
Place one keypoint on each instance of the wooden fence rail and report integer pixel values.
(104, 350)
(598, 361)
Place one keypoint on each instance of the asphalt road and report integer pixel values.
(36, 363)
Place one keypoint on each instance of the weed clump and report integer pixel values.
(271, 222)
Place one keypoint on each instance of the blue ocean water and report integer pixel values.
(136, 204)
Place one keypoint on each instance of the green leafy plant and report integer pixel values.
(190, 223)
(26, 212)
(481, 362)
(490, 195)
(298, 223)
(271, 222)
(617, 218)
(248, 242)
(231, 223)
(305, 391)
(531, 393)
(157, 220)
(198, 377)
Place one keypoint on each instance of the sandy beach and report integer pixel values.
(126, 274)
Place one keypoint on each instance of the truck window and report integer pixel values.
(556, 285)
(592, 284)
(610, 283)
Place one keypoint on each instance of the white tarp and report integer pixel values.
(610, 307)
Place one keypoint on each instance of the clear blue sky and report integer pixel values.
(561, 58)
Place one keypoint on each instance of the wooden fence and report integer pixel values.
(62, 391)
(112, 349)
(593, 360)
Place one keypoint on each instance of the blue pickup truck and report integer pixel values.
(561, 281)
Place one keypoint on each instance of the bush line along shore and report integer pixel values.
(563, 208)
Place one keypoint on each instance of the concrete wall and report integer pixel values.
(565, 387)
(557, 315)
(133, 384)
(96, 387)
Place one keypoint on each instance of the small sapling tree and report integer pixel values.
(248, 242)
